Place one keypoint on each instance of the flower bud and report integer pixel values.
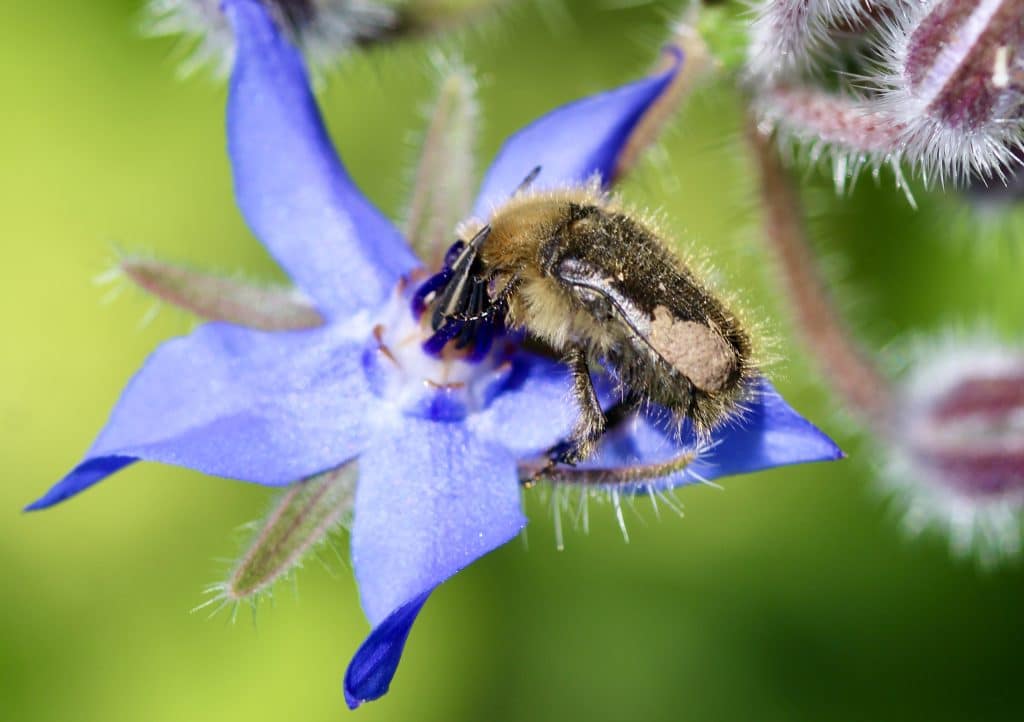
(959, 436)
(957, 83)
(786, 34)
(325, 30)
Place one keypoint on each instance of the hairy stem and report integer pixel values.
(850, 371)
(697, 61)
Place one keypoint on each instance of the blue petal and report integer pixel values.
(531, 409)
(291, 187)
(573, 142)
(269, 408)
(770, 434)
(431, 499)
(373, 666)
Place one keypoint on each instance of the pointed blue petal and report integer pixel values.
(290, 184)
(431, 499)
(269, 408)
(531, 410)
(370, 672)
(573, 142)
(770, 434)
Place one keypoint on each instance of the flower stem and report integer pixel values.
(850, 370)
(697, 61)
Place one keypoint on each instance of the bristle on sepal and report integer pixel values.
(299, 522)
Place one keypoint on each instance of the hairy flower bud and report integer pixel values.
(939, 85)
(959, 438)
(787, 34)
(956, 83)
(325, 30)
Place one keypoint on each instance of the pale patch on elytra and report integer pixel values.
(694, 350)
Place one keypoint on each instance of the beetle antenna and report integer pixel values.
(527, 181)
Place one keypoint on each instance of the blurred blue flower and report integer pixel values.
(437, 437)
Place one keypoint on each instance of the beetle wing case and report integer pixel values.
(600, 286)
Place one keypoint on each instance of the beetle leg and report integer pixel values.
(592, 422)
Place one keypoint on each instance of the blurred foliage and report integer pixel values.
(792, 595)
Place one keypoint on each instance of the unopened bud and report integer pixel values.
(786, 34)
(957, 83)
(959, 438)
(325, 30)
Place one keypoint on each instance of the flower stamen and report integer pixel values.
(378, 333)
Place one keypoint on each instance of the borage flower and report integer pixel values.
(439, 434)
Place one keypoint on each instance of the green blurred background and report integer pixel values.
(792, 595)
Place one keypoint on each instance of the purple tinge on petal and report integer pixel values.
(771, 433)
(370, 672)
(432, 498)
(573, 142)
(290, 184)
(269, 408)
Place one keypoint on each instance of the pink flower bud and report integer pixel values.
(959, 436)
(957, 84)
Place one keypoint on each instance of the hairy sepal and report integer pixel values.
(445, 174)
(299, 522)
(686, 41)
(852, 133)
(218, 298)
(788, 35)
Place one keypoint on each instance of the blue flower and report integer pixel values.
(437, 438)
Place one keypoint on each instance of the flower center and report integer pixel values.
(444, 372)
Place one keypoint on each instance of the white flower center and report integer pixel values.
(448, 386)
